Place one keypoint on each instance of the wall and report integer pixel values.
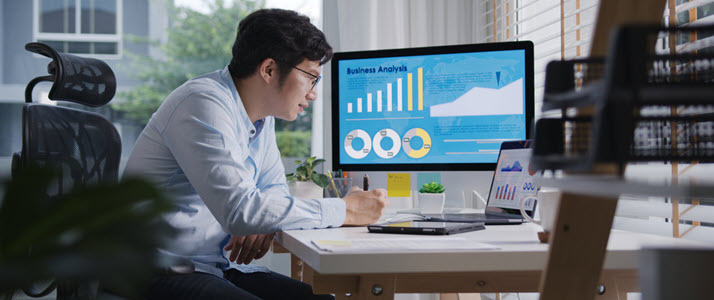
(10, 131)
(18, 67)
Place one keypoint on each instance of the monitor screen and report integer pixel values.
(436, 108)
(513, 179)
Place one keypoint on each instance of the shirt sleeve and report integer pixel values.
(203, 135)
(272, 181)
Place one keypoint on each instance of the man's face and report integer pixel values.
(297, 90)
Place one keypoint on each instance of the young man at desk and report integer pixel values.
(211, 145)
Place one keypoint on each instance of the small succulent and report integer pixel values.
(305, 171)
(432, 188)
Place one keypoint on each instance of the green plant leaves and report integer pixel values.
(105, 231)
(320, 179)
(432, 188)
(305, 171)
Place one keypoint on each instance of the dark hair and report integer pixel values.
(283, 35)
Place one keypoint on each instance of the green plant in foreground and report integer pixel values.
(305, 171)
(107, 231)
(432, 188)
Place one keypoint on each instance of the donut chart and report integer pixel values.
(396, 145)
(358, 134)
(407, 146)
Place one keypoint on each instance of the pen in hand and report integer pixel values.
(365, 183)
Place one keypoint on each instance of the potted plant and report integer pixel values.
(305, 182)
(431, 197)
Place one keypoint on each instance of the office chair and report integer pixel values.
(83, 146)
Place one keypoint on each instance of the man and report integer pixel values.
(211, 145)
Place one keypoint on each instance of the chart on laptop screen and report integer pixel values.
(431, 109)
(513, 180)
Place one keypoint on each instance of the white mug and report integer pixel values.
(548, 200)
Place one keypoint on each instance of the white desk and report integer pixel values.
(515, 267)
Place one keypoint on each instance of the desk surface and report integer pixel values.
(519, 250)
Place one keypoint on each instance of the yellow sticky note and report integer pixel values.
(334, 243)
(399, 184)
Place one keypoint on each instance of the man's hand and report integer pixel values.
(364, 207)
(246, 248)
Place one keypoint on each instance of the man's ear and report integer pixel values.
(268, 70)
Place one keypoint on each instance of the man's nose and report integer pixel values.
(312, 95)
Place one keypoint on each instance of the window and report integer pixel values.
(88, 27)
(563, 29)
(559, 29)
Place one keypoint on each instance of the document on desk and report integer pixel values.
(403, 244)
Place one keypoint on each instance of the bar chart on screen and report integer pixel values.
(382, 100)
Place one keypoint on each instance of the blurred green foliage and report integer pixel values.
(107, 232)
(197, 44)
(294, 143)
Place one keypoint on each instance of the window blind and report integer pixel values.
(558, 29)
(685, 218)
(563, 29)
(655, 215)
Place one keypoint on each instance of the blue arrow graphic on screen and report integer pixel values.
(515, 168)
(498, 78)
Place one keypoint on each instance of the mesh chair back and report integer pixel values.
(84, 146)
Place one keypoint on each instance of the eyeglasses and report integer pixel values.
(317, 77)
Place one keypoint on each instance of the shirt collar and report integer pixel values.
(253, 128)
(258, 127)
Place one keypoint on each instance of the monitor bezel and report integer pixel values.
(454, 49)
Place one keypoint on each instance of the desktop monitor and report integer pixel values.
(435, 108)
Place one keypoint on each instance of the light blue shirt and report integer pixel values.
(223, 172)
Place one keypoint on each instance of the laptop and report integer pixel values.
(512, 180)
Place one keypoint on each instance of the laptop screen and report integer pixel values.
(512, 180)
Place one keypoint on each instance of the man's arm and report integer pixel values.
(361, 208)
(202, 135)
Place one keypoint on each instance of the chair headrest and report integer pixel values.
(77, 79)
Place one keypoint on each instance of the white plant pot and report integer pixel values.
(305, 189)
(431, 203)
